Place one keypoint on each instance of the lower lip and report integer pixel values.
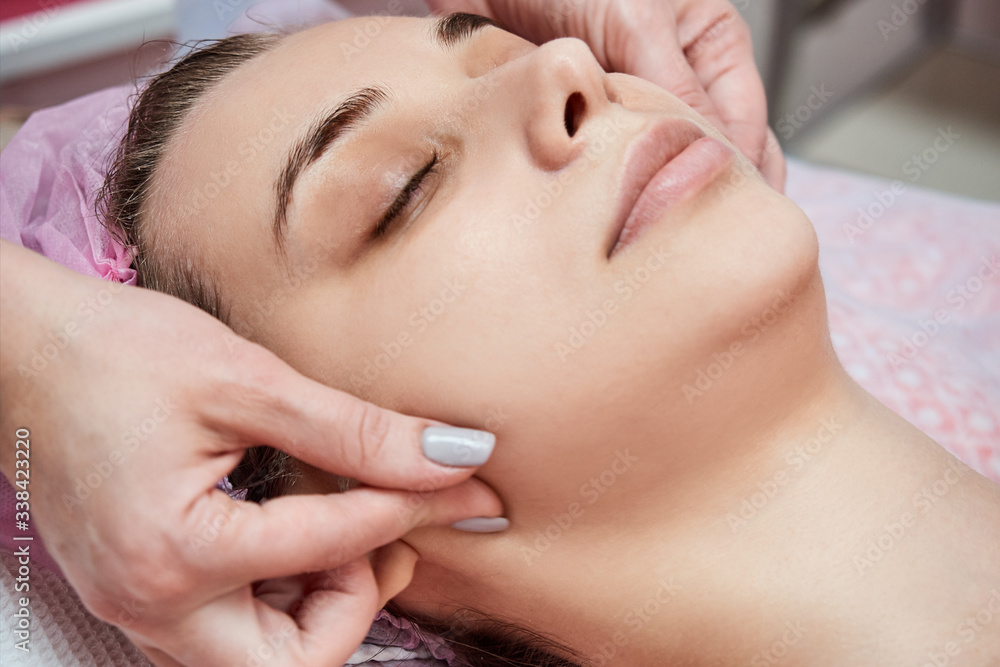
(687, 174)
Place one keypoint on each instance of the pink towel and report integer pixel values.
(913, 288)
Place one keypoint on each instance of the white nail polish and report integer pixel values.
(482, 524)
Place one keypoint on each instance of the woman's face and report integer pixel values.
(490, 300)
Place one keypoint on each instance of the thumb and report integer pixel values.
(772, 164)
(308, 533)
(269, 403)
(661, 60)
(666, 66)
(341, 604)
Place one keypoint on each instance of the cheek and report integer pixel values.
(744, 247)
(461, 320)
(459, 329)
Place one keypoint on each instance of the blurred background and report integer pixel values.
(904, 89)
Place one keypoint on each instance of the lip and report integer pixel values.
(663, 165)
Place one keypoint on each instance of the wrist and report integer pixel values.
(38, 294)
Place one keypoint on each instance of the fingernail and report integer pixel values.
(452, 446)
(482, 524)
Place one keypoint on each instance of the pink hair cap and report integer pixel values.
(49, 176)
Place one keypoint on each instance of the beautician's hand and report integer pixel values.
(142, 404)
(699, 50)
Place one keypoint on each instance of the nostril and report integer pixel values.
(573, 115)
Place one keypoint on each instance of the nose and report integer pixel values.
(563, 88)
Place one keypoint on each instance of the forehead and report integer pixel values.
(215, 187)
(306, 70)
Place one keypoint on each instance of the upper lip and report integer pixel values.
(654, 147)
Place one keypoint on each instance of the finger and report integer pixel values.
(346, 599)
(281, 593)
(324, 627)
(307, 533)
(718, 46)
(393, 565)
(271, 404)
(662, 60)
(773, 165)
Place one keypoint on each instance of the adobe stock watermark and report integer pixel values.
(915, 167)
(743, 171)
(296, 276)
(590, 492)
(57, 341)
(30, 25)
(623, 290)
(273, 641)
(85, 486)
(795, 462)
(894, 532)
(365, 35)
(911, 345)
(420, 320)
(752, 329)
(602, 136)
(779, 648)
(210, 529)
(796, 120)
(247, 151)
(986, 618)
(899, 16)
(128, 613)
(635, 620)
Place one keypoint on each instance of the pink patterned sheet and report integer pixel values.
(913, 289)
(914, 302)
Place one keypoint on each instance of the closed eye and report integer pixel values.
(404, 198)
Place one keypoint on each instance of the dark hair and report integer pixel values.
(122, 202)
(122, 206)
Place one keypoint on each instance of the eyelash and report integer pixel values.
(403, 199)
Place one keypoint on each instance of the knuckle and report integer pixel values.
(725, 34)
(372, 427)
(248, 377)
(251, 367)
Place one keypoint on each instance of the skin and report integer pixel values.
(700, 50)
(740, 267)
(180, 586)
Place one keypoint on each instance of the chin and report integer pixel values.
(793, 252)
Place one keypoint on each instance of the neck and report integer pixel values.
(783, 517)
(849, 537)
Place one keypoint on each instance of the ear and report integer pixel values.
(393, 565)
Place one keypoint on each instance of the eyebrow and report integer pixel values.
(332, 126)
(447, 32)
(455, 28)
